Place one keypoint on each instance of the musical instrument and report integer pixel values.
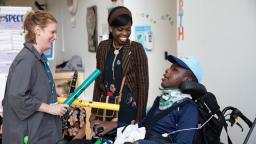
(69, 116)
(75, 117)
(72, 97)
(73, 82)
(92, 104)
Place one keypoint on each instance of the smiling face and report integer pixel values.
(121, 34)
(174, 76)
(45, 36)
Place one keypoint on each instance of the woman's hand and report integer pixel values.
(53, 109)
(57, 109)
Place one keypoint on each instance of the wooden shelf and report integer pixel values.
(68, 76)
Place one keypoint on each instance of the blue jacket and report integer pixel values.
(182, 117)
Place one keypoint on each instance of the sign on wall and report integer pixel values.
(144, 35)
(11, 40)
(91, 23)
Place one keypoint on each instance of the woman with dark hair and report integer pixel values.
(125, 74)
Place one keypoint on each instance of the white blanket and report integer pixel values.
(131, 133)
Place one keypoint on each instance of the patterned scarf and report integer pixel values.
(169, 96)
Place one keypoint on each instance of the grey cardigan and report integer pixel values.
(26, 88)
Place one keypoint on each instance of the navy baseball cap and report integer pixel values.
(189, 63)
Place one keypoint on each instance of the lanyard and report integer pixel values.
(50, 78)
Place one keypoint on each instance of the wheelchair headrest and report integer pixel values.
(196, 90)
(200, 94)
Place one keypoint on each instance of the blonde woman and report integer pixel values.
(30, 105)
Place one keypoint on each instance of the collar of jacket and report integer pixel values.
(127, 52)
(32, 49)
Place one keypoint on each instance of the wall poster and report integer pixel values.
(92, 30)
(11, 40)
(144, 35)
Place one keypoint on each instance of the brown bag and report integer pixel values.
(109, 115)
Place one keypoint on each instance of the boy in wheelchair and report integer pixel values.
(177, 124)
(181, 117)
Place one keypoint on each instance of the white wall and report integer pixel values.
(164, 36)
(222, 35)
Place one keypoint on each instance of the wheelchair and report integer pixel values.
(230, 113)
